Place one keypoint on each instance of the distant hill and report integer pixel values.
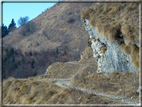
(59, 26)
(57, 32)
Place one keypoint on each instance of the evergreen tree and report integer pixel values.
(4, 30)
(57, 51)
(12, 25)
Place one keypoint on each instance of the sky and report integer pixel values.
(17, 10)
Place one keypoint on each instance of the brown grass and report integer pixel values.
(130, 39)
(136, 63)
(136, 28)
(112, 84)
(125, 49)
(86, 13)
(134, 53)
(135, 50)
(107, 22)
(114, 10)
(103, 49)
(92, 21)
(28, 92)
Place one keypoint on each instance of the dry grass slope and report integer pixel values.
(116, 14)
(113, 84)
(115, 22)
(36, 92)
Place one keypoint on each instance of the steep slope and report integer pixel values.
(82, 73)
(114, 35)
(56, 35)
(28, 91)
(58, 26)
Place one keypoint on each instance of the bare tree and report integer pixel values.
(23, 20)
(27, 28)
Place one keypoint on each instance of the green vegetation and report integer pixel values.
(32, 63)
(31, 53)
(23, 60)
(34, 74)
(13, 59)
(9, 53)
(15, 66)
(89, 42)
(57, 51)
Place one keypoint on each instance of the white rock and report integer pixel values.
(47, 70)
(114, 59)
(139, 89)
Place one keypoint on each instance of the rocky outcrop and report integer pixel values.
(113, 46)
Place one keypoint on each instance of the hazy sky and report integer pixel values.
(17, 10)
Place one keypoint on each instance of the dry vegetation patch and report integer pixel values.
(118, 84)
(62, 70)
(100, 15)
(36, 92)
(28, 92)
(115, 22)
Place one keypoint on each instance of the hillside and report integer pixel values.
(107, 73)
(50, 37)
(56, 27)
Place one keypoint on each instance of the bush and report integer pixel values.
(34, 74)
(57, 51)
(27, 28)
(70, 20)
(15, 66)
(31, 53)
(32, 63)
(89, 42)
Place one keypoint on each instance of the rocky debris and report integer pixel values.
(97, 46)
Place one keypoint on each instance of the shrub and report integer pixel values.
(27, 28)
(13, 59)
(31, 53)
(57, 51)
(89, 42)
(70, 20)
(32, 63)
(23, 20)
(15, 66)
(34, 74)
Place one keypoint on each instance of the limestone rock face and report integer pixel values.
(108, 54)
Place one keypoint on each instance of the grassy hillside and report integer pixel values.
(56, 35)
(56, 27)
(42, 89)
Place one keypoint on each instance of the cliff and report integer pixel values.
(114, 35)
